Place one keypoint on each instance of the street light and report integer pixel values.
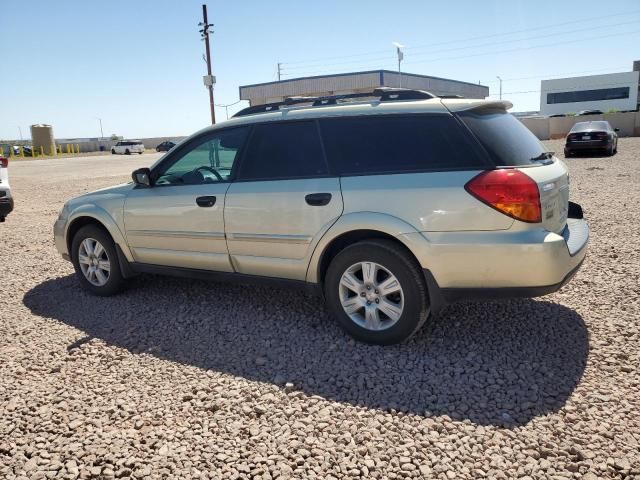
(400, 58)
(498, 77)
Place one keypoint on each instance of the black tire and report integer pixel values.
(113, 152)
(140, 153)
(567, 153)
(394, 258)
(115, 282)
(127, 152)
(610, 150)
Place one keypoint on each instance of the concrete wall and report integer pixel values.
(539, 126)
(558, 127)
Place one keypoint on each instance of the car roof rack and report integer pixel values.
(384, 94)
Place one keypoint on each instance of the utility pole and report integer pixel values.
(279, 67)
(101, 133)
(209, 81)
(20, 130)
(498, 77)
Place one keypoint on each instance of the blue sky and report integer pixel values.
(138, 64)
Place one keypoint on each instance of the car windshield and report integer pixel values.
(507, 141)
(582, 126)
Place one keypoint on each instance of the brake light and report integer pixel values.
(4, 162)
(510, 192)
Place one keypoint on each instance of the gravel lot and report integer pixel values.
(188, 379)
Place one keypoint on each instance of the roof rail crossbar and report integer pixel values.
(385, 94)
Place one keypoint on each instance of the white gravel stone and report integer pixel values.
(188, 379)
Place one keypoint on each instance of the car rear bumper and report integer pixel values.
(500, 264)
(6, 206)
(587, 145)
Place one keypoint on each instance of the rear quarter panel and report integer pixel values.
(428, 202)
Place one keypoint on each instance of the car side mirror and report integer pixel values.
(616, 129)
(142, 177)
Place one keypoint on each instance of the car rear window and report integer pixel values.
(507, 141)
(398, 144)
(581, 126)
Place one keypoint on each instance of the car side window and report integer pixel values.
(209, 160)
(283, 150)
(397, 144)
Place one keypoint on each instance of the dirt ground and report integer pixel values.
(188, 379)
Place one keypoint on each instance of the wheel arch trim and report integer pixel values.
(102, 217)
(357, 221)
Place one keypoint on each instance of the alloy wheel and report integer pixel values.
(371, 296)
(94, 262)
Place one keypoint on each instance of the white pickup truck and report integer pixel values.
(128, 147)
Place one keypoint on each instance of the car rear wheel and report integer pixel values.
(567, 153)
(113, 151)
(95, 261)
(127, 152)
(376, 292)
(610, 150)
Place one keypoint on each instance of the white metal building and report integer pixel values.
(357, 82)
(617, 91)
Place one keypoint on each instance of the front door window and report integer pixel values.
(209, 161)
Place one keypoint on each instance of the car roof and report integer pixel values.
(369, 107)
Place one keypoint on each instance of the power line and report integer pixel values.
(448, 58)
(568, 32)
(554, 75)
(544, 29)
(519, 49)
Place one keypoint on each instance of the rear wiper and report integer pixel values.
(543, 156)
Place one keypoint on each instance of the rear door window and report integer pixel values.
(505, 138)
(398, 144)
(283, 150)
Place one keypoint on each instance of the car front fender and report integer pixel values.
(108, 220)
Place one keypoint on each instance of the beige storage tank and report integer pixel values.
(42, 136)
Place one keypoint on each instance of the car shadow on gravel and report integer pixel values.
(493, 363)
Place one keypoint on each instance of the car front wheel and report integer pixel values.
(377, 292)
(96, 262)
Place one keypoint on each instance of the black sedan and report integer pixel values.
(165, 146)
(596, 135)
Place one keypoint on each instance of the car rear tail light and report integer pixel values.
(4, 162)
(510, 192)
(600, 135)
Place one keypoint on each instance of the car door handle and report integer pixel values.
(318, 199)
(206, 201)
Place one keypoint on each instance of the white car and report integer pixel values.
(6, 200)
(128, 147)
